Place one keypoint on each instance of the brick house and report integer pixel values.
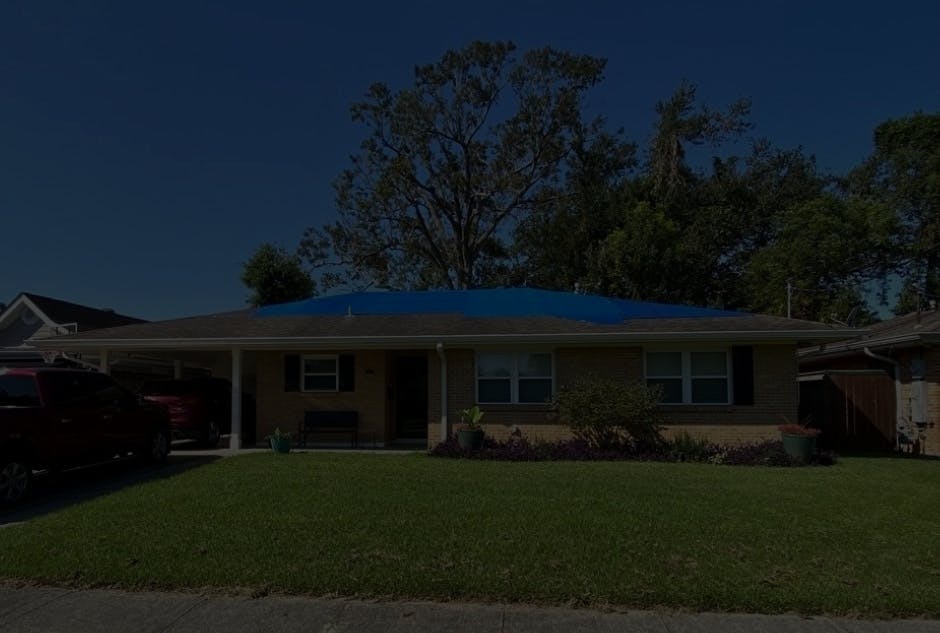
(906, 351)
(404, 363)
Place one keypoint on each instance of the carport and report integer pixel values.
(229, 362)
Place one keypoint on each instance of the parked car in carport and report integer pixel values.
(56, 419)
(200, 408)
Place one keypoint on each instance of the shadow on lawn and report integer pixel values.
(77, 486)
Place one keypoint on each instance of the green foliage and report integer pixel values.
(279, 435)
(485, 171)
(274, 276)
(471, 417)
(688, 448)
(606, 412)
(826, 248)
(680, 123)
(451, 164)
(904, 173)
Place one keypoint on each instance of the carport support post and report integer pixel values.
(443, 357)
(235, 439)
(177, 369)
(104, 364)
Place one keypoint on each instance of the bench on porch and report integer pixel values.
(329, 422)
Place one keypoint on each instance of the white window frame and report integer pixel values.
(513, 377)
(304, 373)
(687, 376)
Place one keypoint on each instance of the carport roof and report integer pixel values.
(378, 320)
(916, 328)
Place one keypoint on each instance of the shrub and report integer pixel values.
(691, 450)
(687, 448)
(609, 413)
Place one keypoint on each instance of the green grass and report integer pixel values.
(862, 537)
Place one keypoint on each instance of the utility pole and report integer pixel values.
(789, 296)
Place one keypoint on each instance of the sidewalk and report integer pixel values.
(24, 610)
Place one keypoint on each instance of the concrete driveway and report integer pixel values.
(79, 485)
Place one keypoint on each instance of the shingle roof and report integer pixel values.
(260, 328)
(87, 318)
(913, 323)
(902, 331)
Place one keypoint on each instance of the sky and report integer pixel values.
(146, 149)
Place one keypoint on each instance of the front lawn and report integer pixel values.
(861, 537)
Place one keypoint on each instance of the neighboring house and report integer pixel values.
(30, 317)
(407, 362)
(903, 404)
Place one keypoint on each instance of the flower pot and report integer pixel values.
(280, 444)
(470, 439)
(801, 447)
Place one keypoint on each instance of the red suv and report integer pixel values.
(200, 408)
(54, 419)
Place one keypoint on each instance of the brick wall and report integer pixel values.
(929, 438)
(775, 394)
(932, 443)
(277, 408)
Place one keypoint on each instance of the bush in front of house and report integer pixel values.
(680, 449)
(609, 414)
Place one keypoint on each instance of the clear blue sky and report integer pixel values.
(147, 148)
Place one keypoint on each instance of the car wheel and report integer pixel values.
(212, 435)
(158, 448)
(16, 479)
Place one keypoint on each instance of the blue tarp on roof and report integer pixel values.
(495, 302)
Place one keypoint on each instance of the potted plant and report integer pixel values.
(280, 441)
(470, 437)
(799, 441)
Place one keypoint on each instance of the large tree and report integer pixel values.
(451, 164)
(826, 249)
(275, 276)
(904, 172)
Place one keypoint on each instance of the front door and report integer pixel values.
(410, 395)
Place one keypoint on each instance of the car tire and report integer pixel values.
(210, 438)
(16, 479)
(157, 448)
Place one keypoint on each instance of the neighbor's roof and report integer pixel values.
(383, 320)
(65, 312)
(902, 331)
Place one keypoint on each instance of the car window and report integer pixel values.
(67, 389)
(104, 390)
(18, 391)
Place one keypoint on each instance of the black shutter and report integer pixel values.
(291, 372)
(347, 372)
(742, 362)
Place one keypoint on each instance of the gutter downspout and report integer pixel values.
(899, 410)
(443, 357)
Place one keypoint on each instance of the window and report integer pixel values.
(18, 391)
(320, 373)
(689, 377)
(514, 377)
